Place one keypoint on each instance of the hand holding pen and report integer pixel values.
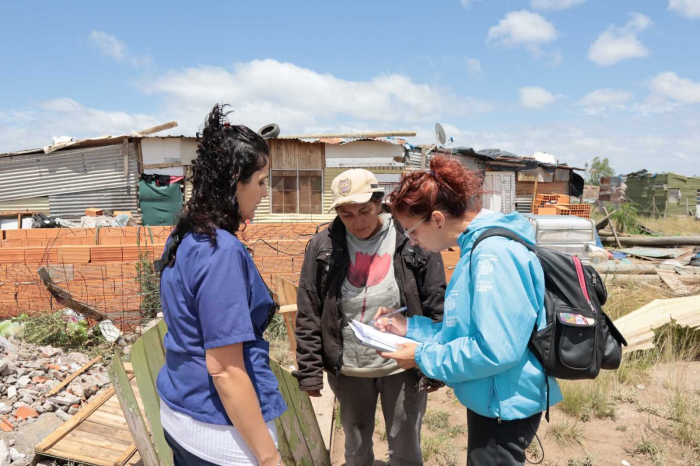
(390, 320)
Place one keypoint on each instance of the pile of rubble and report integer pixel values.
(28, 373)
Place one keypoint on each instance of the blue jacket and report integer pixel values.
(480, 348)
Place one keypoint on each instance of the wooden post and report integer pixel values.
(534, 192)
(612, 227)
(687, 207)
(666, 208)
(422, 158)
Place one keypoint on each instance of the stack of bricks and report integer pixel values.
(559, 204)
(97, 266)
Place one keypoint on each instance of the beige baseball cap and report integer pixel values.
(354, 186)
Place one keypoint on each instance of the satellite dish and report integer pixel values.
(440, 134)
(269, 131)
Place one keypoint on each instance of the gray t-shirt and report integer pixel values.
(370, 283)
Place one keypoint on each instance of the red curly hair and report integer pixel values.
(449, 187)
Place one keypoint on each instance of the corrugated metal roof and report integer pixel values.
(341, 141)
(71, 171)
(72, 205)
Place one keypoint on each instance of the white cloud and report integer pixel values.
(112, 47)
(671, 86)
(296, 98)
(535, 97)
(474, 67)
(300, 100)
(523, 28)
(32, 128)
(600, 100)
(620, 43)
(688, 8)
(554, 5)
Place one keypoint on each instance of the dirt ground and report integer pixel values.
(641, 418)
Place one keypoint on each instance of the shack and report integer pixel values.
(663, 193)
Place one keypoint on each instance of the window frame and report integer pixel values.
(296, 170)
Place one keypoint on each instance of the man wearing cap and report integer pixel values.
(361, 262)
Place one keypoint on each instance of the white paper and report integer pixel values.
(373, 338)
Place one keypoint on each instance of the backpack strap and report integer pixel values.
(504, 232)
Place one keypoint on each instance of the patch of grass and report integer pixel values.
(456, 431)
(279, 351)
(436, 450)
(587, 460)
(149, 286)
(590, 398)
(684, 412)
(533, 453)
(437, 419)
(651, 449)
(58, 329)
(621, 428)
(566, 433)
(625, 297)
(276, 330)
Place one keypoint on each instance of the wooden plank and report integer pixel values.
(78, 456)
(296, 448)
(95, 428)
(148, 357)
(307, 420)
(612, 227)
(151, 166)
(78, 447)
(69, 425)
(156, 129)
(126, 455)
(162, 329)
(286, 291)
(132, 413)
(111, 409)
(88, 438)
(109, 419)
(135, 460)
(673, 281)
(375, 134)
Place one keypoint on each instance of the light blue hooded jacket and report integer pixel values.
(480, 347)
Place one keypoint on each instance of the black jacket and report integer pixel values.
(419, 274)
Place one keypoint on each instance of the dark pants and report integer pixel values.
(182, 457)
(403, 410)
(499, 444)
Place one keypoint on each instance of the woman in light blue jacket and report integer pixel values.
(492, 304)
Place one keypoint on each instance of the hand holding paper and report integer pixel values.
(373, 338)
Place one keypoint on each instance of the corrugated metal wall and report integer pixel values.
(73, 205)
(70, 171)
(34, 204)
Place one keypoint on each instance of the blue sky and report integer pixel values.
(575, 78)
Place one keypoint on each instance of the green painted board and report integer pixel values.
(149, 395)
(288, 423)
(132, 412)
(306, 418)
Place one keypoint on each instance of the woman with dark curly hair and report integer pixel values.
(220, 397)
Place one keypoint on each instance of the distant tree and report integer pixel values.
(599, 167)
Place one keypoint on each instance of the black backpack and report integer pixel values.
(579, 339)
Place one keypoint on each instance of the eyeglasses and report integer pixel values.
(407, 233)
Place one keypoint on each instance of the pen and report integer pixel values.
(374, 321)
